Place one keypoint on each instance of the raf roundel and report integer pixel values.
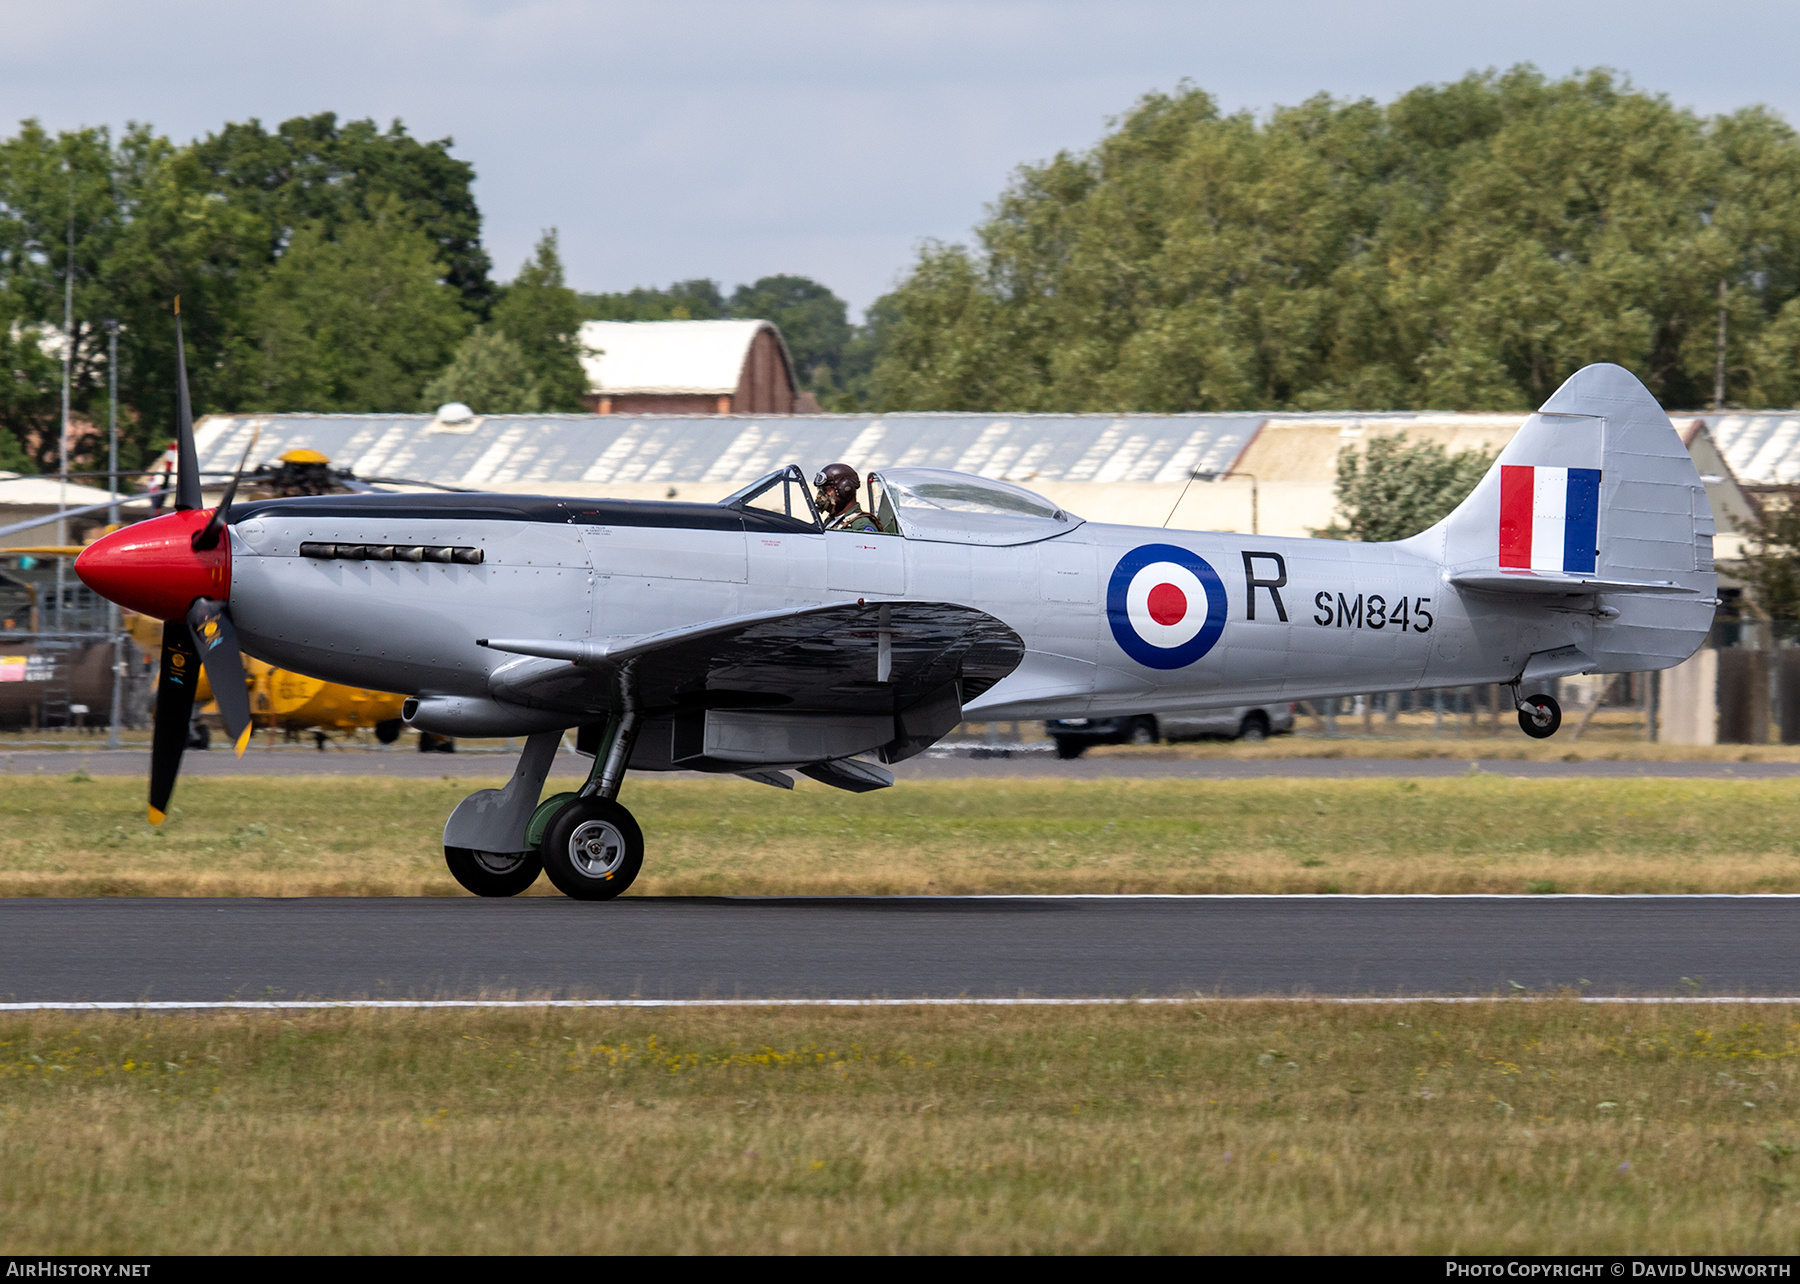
(1166, 606)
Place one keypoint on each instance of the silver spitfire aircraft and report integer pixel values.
(743, 637)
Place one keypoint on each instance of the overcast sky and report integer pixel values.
(738, 138)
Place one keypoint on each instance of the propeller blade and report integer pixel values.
(175, 684)
(187, 456)
(208, 537)
(218, 648)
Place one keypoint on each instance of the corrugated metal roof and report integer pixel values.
(1762, 447)
(667, 356)
(590, 454)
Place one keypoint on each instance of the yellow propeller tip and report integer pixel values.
(243, 741)
(156, 817)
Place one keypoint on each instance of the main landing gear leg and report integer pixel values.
(484, 839)
(592, 848)
(1539, 715)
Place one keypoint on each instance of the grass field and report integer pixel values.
(1478, 833)
(1541, 1127)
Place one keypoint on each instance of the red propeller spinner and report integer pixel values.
(155, 569)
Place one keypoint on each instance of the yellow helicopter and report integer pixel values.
(289, 702)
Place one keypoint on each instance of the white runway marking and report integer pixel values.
(290, 1005)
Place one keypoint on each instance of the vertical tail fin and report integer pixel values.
(1594, 499)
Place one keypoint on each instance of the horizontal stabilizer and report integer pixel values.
(854, 774)
(1555, 582)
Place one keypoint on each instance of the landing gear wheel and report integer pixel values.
(1070, 747)
(1143, 732)
(1255, 729)
(1540, 716)
(493, 873)
(593, 849)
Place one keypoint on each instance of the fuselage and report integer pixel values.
(1294, 618)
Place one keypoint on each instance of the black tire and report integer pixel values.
(1255, 728)
(1141, 732)
(389, 731)
(493, 873)
(1070, 747)
(199, 736)
(592, 850)
(1547, 719)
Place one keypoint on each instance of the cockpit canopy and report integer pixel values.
(961, 508)
(921, 503)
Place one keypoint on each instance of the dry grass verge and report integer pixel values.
(1516, 1128)
(1482, 833)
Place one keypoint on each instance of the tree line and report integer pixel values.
(323, 266)
(1465, 246)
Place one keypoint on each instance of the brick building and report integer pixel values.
(690, 367)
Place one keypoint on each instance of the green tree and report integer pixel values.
(311, 170)
(541, 315)
(145, 230)
(695, 300)
(1395, 488)
(812, 319)
(1466, 246)
(489, 373)
(867, 342)
(30, 398)
(1771, 562)
(354, 324)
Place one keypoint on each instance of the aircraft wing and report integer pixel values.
(854, 657)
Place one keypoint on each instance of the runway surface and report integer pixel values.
(1024, 766)
(210, 950)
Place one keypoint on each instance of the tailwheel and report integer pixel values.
(493, 873)
(593, 849)
(1539, 716)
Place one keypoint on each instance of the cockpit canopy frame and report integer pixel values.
(780, 494)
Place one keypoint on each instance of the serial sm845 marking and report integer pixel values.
(744, 637)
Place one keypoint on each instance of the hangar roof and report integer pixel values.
(599, 454)
(1269, 472)
(671, 357)
(1762, 447)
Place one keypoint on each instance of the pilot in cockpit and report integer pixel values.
(838, 484)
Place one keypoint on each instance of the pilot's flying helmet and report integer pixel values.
(839, 477)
